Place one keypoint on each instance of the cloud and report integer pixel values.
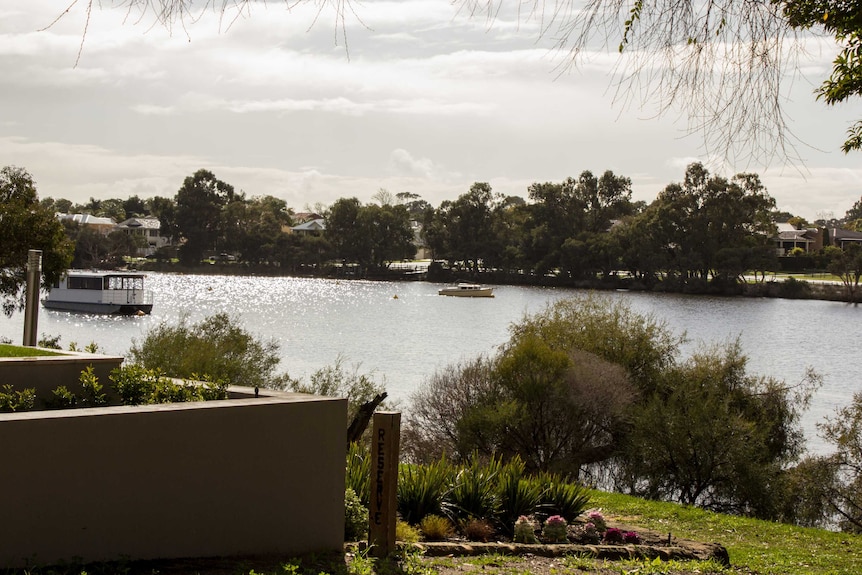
(402, 163)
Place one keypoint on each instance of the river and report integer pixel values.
(403, 332)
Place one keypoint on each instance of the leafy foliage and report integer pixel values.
(137, 385)
(355, 517)
(217, 347)
(27, 226)
(337, 380)
(588, 385)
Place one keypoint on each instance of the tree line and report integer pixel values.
(700, 234)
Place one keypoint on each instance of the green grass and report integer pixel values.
(758, 546)
(7, 350)
(755, 547)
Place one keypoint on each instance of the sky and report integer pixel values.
(407, 96)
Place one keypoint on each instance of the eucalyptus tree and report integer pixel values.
(26, 225)
(464, 230)
(198, 214)
(707, 227)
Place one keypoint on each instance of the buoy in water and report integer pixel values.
(395, 296)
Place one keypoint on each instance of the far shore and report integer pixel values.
(787, 286)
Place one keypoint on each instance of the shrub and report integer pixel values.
(61, 398)
(474, 492)
(598, 520)
(93, 396)
(216, 347)
(137, 385)
(564, 498)
(405, 532)
(517, 496)
(337, 381)
(613, 536)
(11, 400)
(355, 517)
(588, 534)
(525, 530)
(436, 528)
(421, 489)
(555, 529)
(358, 477)
(478, 530)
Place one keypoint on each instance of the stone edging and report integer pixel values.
(692, 551)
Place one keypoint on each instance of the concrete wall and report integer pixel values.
(220, 478)
(45, 373)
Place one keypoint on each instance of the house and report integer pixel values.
(843, 238)
(789, 238)
(315, 226)
(147, 228)
(103, 225)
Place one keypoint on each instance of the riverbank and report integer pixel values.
(788, 287)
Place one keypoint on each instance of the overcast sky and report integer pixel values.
(422, 99)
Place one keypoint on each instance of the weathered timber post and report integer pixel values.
(31, 305)
(383, 506)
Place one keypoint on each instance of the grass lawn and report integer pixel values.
(7, 350)
(754, 545)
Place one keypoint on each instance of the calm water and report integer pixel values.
(403, 339)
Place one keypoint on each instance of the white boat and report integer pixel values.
(467, 290)
(119, 293)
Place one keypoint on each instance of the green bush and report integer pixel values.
(422, 488)
(517, 495)
(358, 477)
(355, 517)
(474, 492)
(216, 347)
(406, 533)
(11, 400)
(436, 527)
(563, 498)
(137, 385)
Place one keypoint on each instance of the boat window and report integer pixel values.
(84, 283)
(124, 282)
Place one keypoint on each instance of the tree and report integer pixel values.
(26, 225)
(847, 265)
(216, 347)
(464, 230)
(716, 437)
(841, 473)
(708, 228)
(556, 394)
(198, 213)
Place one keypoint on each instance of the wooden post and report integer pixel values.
(383, 506)
(31, 305)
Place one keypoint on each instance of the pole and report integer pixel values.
(382, 511)
(31, 305)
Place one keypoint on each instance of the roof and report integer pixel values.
(795, 235)
(149, 223)
(312, 226)
(846, 235)
(87, 219)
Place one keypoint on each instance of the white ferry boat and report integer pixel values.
(119, 293)
(467, 290)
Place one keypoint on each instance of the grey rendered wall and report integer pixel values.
(220, 478)
(45, 373)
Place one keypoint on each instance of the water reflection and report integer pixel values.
(405, 339)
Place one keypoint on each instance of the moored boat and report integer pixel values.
(467, 290)
(117, 293)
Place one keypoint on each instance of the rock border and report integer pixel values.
(690, 551)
